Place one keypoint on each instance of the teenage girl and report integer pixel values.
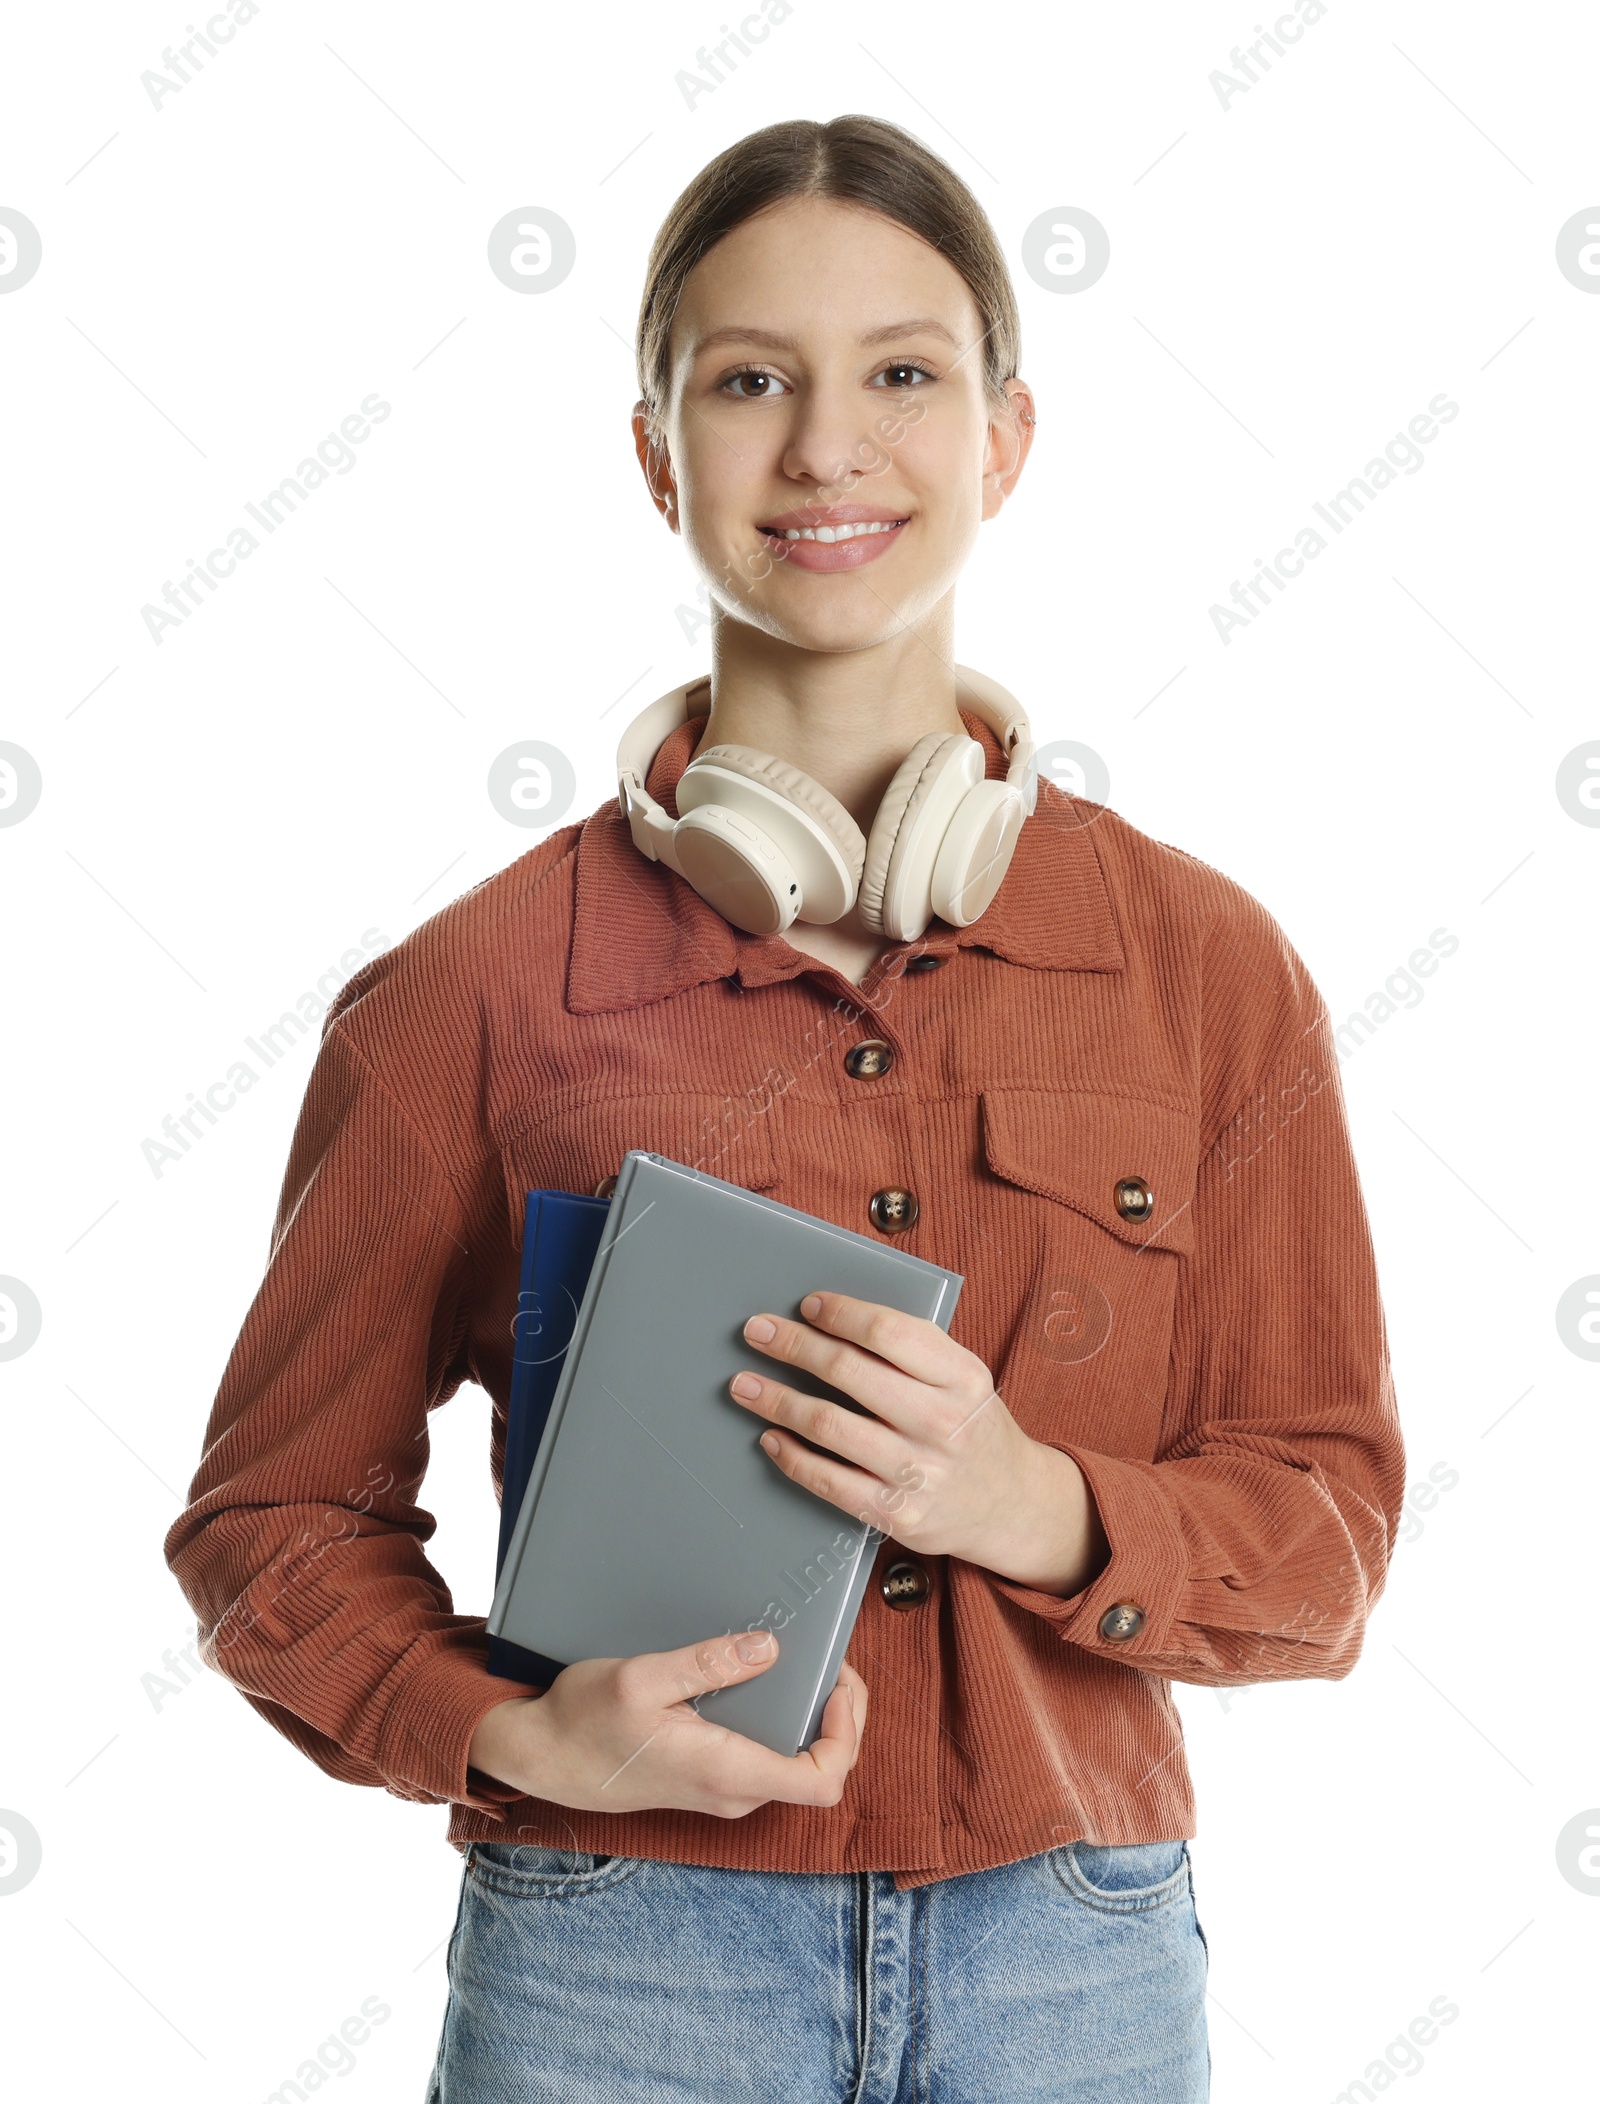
(838, 938)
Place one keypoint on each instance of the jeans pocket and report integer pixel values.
(532, 1868)
(1133, 1878)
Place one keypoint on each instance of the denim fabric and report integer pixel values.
(1077, 1975)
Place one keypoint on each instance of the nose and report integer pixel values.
(830, 440)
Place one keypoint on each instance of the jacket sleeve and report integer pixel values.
(301, 1549)
(1256, 1541)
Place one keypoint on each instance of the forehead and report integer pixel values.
(811, 269)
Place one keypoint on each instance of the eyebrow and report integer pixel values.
(740, 332)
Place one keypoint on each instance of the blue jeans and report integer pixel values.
(1078, 1975)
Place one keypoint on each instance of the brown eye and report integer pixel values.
(750, 372)
(894, 372)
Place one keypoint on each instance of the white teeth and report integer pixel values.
(841, 533)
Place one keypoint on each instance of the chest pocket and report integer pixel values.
(1095, 1265)
(580, 1146)
(1125, 1164)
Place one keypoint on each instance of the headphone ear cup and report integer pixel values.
(796, 787)
(976, 851)
(895, 899)
(763, 842)
(740, 874)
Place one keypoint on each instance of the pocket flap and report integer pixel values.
(1079, 1145)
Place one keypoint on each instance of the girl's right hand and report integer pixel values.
(618, 1735)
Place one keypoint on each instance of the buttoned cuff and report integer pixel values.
(1127, 1611)
(427, 1730)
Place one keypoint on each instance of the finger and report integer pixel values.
(668, 1677)
(865, 1440)
(826, 1763)
(850, 1679)
(740, 1767)
(873, 1382)
(866, 1498)
(839, 1722)
(911, 1343)
(875, 1378)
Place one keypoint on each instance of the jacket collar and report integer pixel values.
(641, 932)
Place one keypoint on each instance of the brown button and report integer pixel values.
(1117, 1624)
(605, 1187)
(929, 961)
(873, 1056)
(905, 1585)
(893, 1210)
(1134, 1198)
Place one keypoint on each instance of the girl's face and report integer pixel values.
(826, 367)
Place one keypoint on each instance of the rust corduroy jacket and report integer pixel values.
(1217, 1368)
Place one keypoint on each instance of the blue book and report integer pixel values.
(560, 1236)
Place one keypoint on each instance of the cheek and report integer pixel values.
(719, 491)
(734, 562)
(940, 471)
(707, 518)
(946, 533)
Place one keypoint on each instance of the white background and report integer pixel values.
(224, 814)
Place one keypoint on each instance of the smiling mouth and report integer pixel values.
(860, 531)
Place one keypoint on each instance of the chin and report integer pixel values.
(842, 618)
(838, 638)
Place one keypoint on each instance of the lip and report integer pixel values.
(830, 515)
(852, 554)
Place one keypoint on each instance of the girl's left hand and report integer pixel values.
(941, 1465)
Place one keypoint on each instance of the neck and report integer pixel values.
(848, 718)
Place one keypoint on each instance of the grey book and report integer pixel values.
(653, 1518)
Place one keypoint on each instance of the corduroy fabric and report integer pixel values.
(1219, 1371)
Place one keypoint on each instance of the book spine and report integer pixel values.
(516, 1410)
(849, 1610)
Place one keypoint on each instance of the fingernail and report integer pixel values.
(747, 1385)
(758, 1329)
(757, 1645)
(811, 1306)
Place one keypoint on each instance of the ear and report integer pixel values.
(656, 464)
(1010, 442)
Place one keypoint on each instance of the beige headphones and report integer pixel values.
(767, 845)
